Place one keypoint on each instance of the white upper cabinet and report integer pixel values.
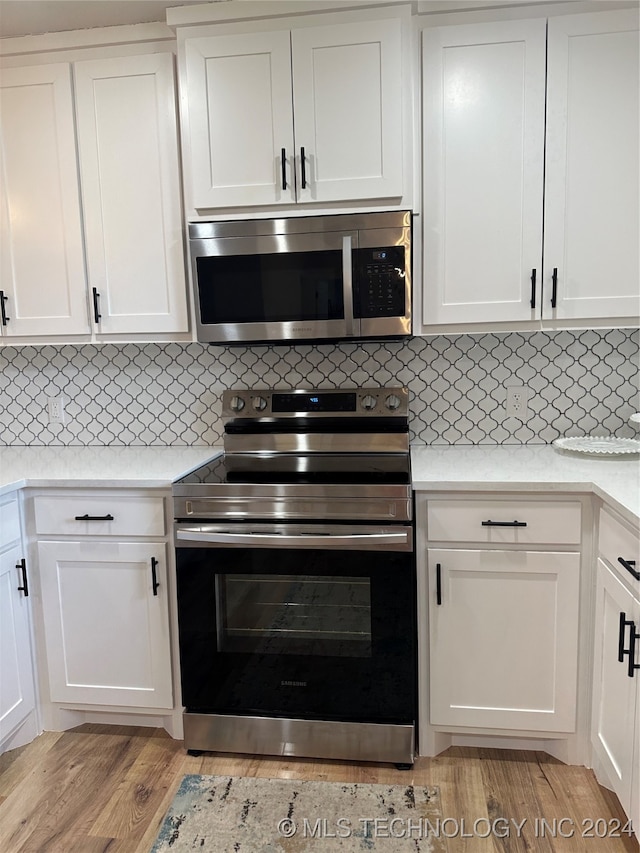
(128, 154)
(339, 86)
(42, 276)
(483, 162)
(592, 167)
(487, 167)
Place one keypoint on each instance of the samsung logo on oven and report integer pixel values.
(302, 329)
(293, 684)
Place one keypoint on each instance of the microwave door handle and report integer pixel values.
(347, 284)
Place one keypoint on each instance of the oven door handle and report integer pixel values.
(299, 540)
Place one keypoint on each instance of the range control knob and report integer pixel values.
(236, 404)
(259, 404)
(369, 402)
(392, 402)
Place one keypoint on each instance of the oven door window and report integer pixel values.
(268, 288)
(298, 633)
(294, 615)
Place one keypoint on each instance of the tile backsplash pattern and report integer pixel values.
(584, 382)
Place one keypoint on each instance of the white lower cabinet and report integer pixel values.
(104, 603)
(106, 622)
(615, 719)
(503, 639)
(17, 693)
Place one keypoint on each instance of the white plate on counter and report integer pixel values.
(599, 445)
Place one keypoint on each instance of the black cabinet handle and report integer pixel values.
(629, 566)
(533, 289)
(107, 517)
(438, 584)
(621, 631)
(154, 578)
(3, 313)
(303, 169)
(22, 565)
(490, 523)
(632, 653)
(96, 305)
(283, 160)
(554, 289)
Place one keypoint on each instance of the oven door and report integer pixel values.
(289, 621)
(279, 287)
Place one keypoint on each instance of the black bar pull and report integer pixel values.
(554, 290)
(3, 313)
(621, 631)
(22, 565)
(632, 653)
(629, 566)
(107, 517)
(533, 288)
(438, 584)
(490, 523)
(96, 305)
(154, 579)
(303, 169)
(283, 160)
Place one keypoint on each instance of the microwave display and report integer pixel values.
(379, 282)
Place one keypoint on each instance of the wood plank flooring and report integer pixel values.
(106, 788)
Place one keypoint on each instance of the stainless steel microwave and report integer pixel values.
(311, 278)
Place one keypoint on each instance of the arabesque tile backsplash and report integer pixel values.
(581, 382)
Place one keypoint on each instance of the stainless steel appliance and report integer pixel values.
(296, 579)
(306, 278)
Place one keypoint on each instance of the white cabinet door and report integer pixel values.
(128, 150)
(483, 158)
(42, 271)
(239, 119)
(503, 631)
(347, 96)
(17, 696)
(107, 633)
(592, 167)
(615, 694)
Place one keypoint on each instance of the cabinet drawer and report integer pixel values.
(493, 522)
(616, 542)
(9, 520)
(117, 515)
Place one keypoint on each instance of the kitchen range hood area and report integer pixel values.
(437, 285)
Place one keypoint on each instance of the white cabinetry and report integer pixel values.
(105, 600)
(503, 614)
(484, 88)
(126, 206)
(615, 723)
(17, 694)
(339, 85)
(42, 276)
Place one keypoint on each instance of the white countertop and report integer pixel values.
(527, 468)
(539, 468)
(103, 467)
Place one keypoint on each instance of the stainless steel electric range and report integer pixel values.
(296, 579)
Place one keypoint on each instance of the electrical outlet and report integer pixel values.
(517, 399)
(55, 409)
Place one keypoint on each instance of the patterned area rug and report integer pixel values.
(227, 814)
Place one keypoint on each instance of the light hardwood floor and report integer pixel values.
(105, 788)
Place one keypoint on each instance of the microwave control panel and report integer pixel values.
(380, 282)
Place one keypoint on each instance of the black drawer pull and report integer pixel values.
(107, 517)
(97, 316)
(532, 301)
(303, 169)
(629, 566)
(504, 523)
(22, 565)
(632, 653)
(3, 314)
(154, 579)
(554, 290)
(438, 584)
(621, 631)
